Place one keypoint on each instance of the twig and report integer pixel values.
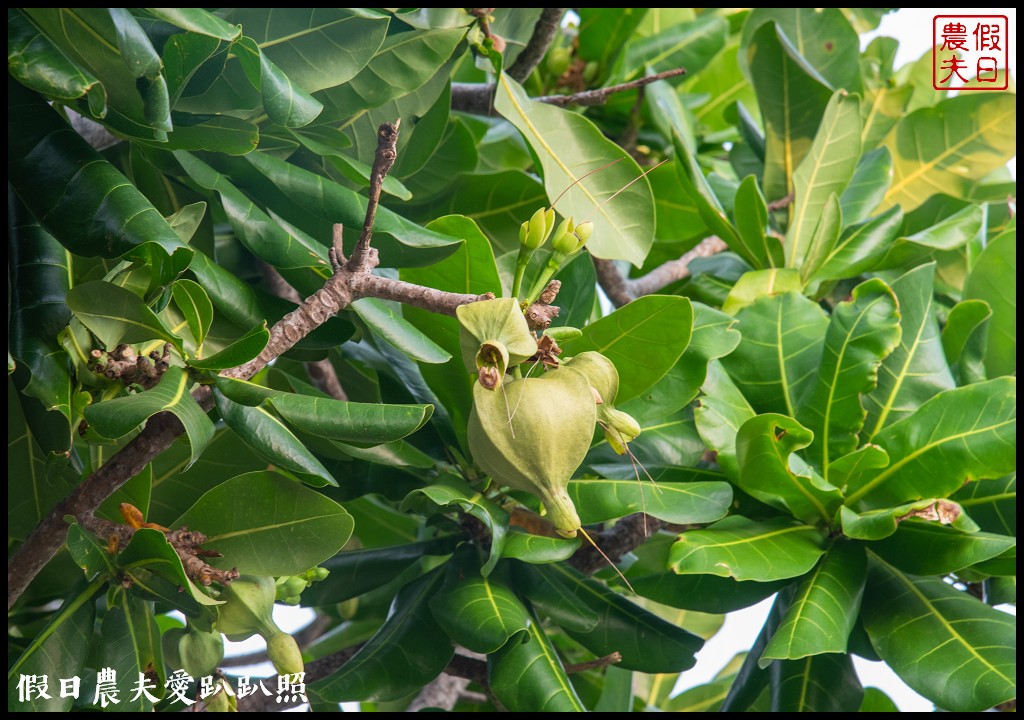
(610, 659)
(443, 692)
(782, 202)
(469, 668)
(350, 281)
(621, 290)
(478, 98)
(599, 96)
(627, 534)
(538, 44)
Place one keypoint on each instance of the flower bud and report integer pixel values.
(537, 229)
(583, 232)
(565, 241)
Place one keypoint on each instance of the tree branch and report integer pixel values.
(478, 98)
(538, 44)
(621, 290)
(625, 535)
(314, 671)
(351, 280)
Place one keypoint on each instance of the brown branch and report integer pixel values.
(626, 534)
(599, 96)
(610, 659)
(782, 202)
(443, 692)
(314, 671)
(621, 290)
(538, 44)
(478, 98)
(350, 281)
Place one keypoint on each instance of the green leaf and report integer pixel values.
(966, 329)
(386, 321)
(924, 548)
(948, 233)
(81, 199)
(529, 677)
(994, 280)
(792, 96)
(408, 651)
(59, 650)
(822, 683)
(862, 332)
(39, 64)
(696, 187)
(644, 339)
(879, 524)
(780, 351)
(598, 500)
(755, 284)
(755, 244)
(868, 186)
(359, 571)
(877, 701)
(943, 149)
(131, 645)
(751, 679)
(478, 613)
(266, 435)
(458, 493)
(89, 553)
(149, 550)
(826, 170)
(317, 49)
(916, 370)
(723, 84)
(703, 593)
(822, 36)
(195, 305)
(959, 435)
(286, 103)
(766, 470)
(368, 423)
(568, 146)
(220, 133)
(197, 20)
(116, 315)
(647, 643)
(824, 608)
(748, 549)
(860, 246)
(881, 110)
(908, 617)
(991, 503)
(689, 45)
(40, 276)
(538, 548)
(118, 417)
(237, 353)
(721, 411)
(265, 524)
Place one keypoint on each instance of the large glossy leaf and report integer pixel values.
(751, 679)
(688, 45)
(77, 196)
(131, 645)
(764, 447)
(722, 82)
(479, 613)
(600, 499)
(826, 169)
(821, 683)
(749, 549)
(960, 435)
(755, 244)
(908, 618)
(529, 677)
(792, 96)
(39, 64)
(643, 339)
(881, 523)
(916, 370)
(40, 276)
(386, 321)
(59, 650)
(860, 246)
(116, 315)
(265, 524)
(720, 413)
(780, 351)
(568, 146)
(994, 280)
(538, 548)
(703, 593)
(118, 417)
(991, 503)
(316, 49)
(924, 548)
(266, 435)
(647, 643)
(697, 189)
(408, 651)
(824, 608)
(239, 352)
(881, 110)
(197, 20)
(822, 36)
(943, 149)
(964, 338)
(861, 333)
